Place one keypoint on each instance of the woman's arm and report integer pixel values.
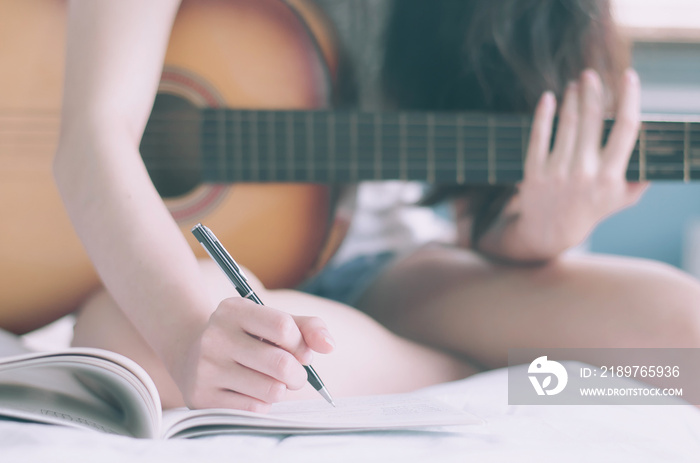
(567, 191)
(115, 52)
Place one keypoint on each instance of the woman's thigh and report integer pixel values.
(455, 300)
(368, 358)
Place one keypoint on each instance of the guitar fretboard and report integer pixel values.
(436, 147)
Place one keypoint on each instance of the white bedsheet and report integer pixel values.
(541, 434)
(510, 434)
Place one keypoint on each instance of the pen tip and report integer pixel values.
(326, 395)
(334, 405)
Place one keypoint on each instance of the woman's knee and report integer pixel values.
(675, 297)
(654, 304)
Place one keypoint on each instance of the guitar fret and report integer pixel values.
(222, 140)
(460, 150)
(255, 167)
(642, 153)
(271, 146)
(310, 149)
(290, 145)
(403, 169)
(377, 146)
(238, 147)
(331, 147)
(524, 139)
(686, 152)
(430, 158)
(353, 147)
(491, 153)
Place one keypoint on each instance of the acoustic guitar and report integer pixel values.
(261, 174)
(263, 54)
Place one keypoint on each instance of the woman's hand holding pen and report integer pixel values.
(229, 366)
(568, 190)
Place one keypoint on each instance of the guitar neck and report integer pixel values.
(436, 147)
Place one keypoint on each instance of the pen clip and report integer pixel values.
(205, 235)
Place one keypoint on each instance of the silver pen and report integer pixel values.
(234, 273)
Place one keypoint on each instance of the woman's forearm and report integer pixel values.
(134, 244)
(115, 52)
(503, 242)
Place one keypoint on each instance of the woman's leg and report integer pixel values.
(368, 358)
(456, 301)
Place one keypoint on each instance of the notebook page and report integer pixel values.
(382, 412)
(393, 410)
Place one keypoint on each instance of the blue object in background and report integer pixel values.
(654, 227)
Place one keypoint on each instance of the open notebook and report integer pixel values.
(104, 391)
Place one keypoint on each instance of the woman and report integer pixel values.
(179, 318)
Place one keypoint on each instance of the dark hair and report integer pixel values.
(496, 56)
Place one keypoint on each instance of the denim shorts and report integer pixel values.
(348, 281)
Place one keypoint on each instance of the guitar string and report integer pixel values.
(37, 113)
(467, 117)
(389, 158)
(667, 134)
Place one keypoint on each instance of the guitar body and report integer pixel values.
(232, 53)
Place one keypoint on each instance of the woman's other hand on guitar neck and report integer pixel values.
(568, 190)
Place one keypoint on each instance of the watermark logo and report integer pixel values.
(540, 367)
(619, 376)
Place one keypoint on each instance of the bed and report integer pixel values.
(650, 433)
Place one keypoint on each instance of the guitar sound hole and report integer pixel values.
(170, 146)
